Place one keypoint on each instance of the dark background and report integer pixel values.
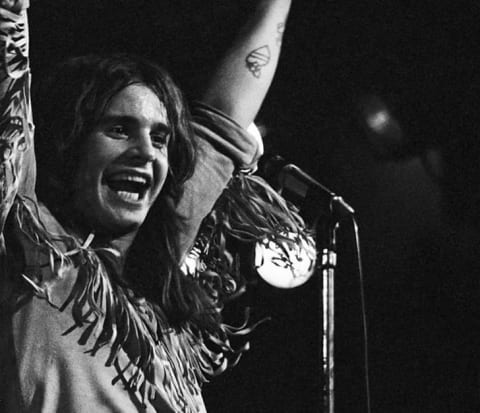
(417, 202)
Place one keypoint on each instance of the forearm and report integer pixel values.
(16, 140)
(243, 77)
(14, 69)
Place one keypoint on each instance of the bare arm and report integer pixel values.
(243, 77)
(17, 165)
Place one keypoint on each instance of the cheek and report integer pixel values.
(163, 165)
(160, 171)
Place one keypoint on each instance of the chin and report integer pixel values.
(110, 216)
(124, 225)
(112, 225)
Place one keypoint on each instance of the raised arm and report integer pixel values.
(243, 77)
(235, 92)
(17, 164)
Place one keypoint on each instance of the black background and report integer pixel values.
(419, 230)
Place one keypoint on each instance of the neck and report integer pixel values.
(120, 243)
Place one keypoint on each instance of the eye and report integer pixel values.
(117, 132)
(160, 139)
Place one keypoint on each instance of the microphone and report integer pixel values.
(303, 190)
(289, 265)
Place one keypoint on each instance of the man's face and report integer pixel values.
(125, 163)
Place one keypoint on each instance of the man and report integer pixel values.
(88, 325)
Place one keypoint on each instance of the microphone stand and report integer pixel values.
(328, 265)
(299, 183)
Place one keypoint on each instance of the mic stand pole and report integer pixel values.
(328, 265)
(338, 210)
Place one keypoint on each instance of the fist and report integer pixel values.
(15, 5)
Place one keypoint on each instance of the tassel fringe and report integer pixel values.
(250, 211)
(128, 323)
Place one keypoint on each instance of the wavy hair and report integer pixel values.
(68, 104)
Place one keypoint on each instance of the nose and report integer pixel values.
(142, 148)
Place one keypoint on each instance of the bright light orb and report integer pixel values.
(378, 121)
(287, 266)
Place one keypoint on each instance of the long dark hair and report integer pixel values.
(68, 104)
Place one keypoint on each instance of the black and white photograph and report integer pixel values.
(239, 206)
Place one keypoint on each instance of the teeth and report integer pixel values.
(131, 178)
(128, 196)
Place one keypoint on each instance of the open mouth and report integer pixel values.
(129, 187)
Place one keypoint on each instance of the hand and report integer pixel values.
(15, 6)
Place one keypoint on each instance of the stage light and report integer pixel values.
(286, 264)
(378, 121)
(382, 128)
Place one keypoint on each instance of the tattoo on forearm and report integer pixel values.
(280, 31)
(257, 59)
